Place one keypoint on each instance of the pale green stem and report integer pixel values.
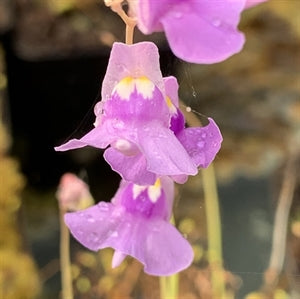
(65, 265)
(116, 6)
(169, 284)
(214, 234)
(281, 221)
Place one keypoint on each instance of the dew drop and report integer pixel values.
(80, 232)
(94, 237)
(118, 124)
(178, 14)
(103, 206)
(203, 135)
(155, 228)
(90, 218)
(114, 234)
(216, 22)
(200, 144)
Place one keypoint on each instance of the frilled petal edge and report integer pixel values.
(202, 143)
(155, 243)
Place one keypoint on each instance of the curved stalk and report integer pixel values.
(65, 265)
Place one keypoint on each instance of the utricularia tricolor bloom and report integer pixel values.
(143, 132)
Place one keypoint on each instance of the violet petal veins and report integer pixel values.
(135, 223)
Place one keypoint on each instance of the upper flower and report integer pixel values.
(201, 144)
(199, 31)
(134, 118)
(135, 223)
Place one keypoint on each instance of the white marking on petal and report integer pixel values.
(137, 190)
(154, 191)
(125, 88)
(145, 87)
(122, 145)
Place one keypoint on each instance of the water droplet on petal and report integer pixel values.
(114, 234)
(103, 206)
(118, 124)
(203, 135)
(177, 14)
(155, 228)
(216, 22)
(200, 144)
(79, 232)
(94, 237)
(90, 218)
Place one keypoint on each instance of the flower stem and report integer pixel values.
(281, 222)
(169, 284)
(65, 265)
(214, 234)
(116, 6)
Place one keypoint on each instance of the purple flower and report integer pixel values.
(199, 31)
(135, 223)
(201, 143)
(134, 119)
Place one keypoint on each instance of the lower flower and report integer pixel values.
(135, 223)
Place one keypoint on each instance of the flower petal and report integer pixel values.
(137, 60)
(163, 152)
(149, 14)
(202, 143)
(93, 226)
(131, 168)
(162, 249)
(155, 243)
(204, 31)
(99, 137)
(180, 179)
(171, 88)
